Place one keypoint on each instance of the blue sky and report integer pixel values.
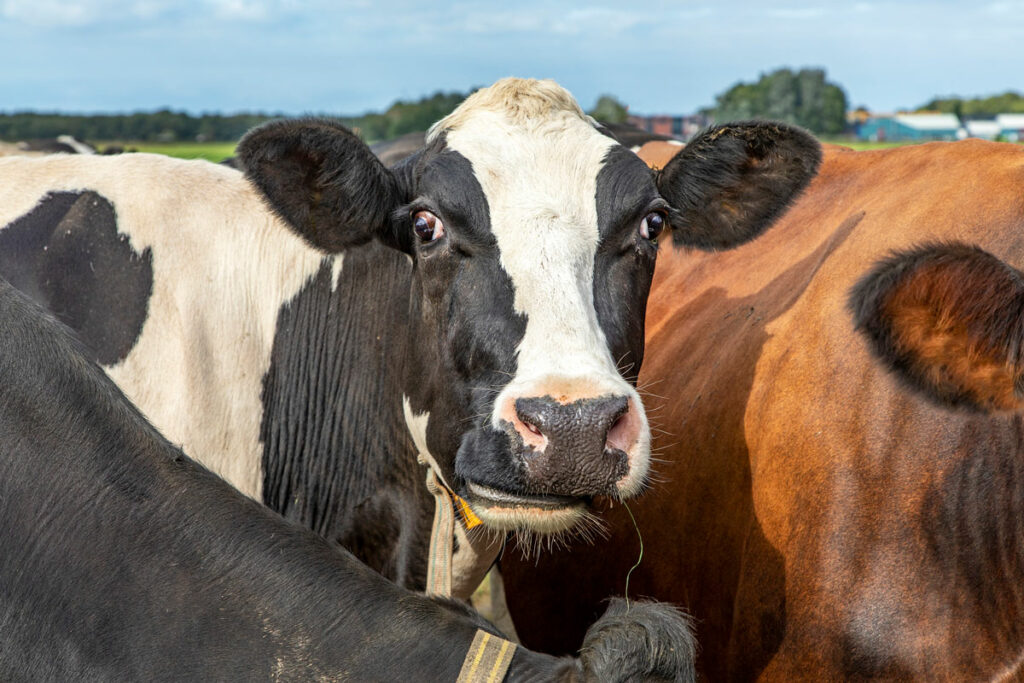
(351, 56)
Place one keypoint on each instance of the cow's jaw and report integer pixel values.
(511, 512)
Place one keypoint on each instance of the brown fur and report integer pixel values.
(658, 153)
(950, 319)
(821, 520)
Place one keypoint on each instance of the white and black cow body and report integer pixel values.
(480, 304)
(124, 560)
(202, 339)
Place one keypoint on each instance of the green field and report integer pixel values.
(211, 151)
(218, 151)
(860, 146)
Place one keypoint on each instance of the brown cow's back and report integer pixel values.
(818, 519)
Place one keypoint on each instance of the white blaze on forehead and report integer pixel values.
(537, 159)
(537, 164)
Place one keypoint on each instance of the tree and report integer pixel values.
(610, 110)
(979, 107)
(804, 98)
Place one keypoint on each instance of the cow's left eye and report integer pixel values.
(427, 226)
(652, 225)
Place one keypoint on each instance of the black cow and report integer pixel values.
(62, 144)
(480, 305)
(125, 560)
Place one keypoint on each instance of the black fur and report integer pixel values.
(68, 255)
(125, 560)
(321, 178)
(343, 396)
(732, 181)
(640, 641)
(624, 265)
(464, 331)
(961, 283)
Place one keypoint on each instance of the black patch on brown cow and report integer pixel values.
(67, 254)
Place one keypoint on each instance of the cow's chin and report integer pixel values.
(504, 511)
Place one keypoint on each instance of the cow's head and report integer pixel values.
(533, 237)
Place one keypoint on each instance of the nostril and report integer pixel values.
(623, 431)
(528, 420)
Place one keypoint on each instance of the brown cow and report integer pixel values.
(825, 514)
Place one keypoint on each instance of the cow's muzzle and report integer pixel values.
(549, 458)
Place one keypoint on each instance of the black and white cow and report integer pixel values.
(125, 560)
(481, 305)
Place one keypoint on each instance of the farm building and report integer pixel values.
(986, 129)
(680, 127)
(1011, 127)
(911, 127)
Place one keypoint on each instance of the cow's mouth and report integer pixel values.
(509, 511)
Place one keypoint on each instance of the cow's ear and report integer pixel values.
(731, 182)
(322, 180)
(948, 319)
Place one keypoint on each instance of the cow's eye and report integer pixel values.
(427, 226)
(652, 225)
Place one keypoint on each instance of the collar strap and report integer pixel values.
(439, 564)
(488, 659)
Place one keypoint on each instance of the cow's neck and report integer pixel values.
(337, 456)
(974, 528)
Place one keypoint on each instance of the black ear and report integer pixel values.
(321, 179)
(948, 319)
(732, 181)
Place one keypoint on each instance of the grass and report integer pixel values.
(861, 145)
(211, 151)
(218, 151)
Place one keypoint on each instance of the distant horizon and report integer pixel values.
(349, 57)
(850, 107)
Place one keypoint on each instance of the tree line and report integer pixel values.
(979, 107)
(804, 97)
(171, 126)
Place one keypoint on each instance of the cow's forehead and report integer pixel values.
(529, 139)
(545, 158)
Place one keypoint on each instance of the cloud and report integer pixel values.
(57, 13)
(1005, 7)
(47, 12)
(797, 12)
(555, 20)
(245, 10)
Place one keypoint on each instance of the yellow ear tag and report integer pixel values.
(469, 517)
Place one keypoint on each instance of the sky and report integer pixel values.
(353, 56)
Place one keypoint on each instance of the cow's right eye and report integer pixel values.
(652, 225)
(427, 226)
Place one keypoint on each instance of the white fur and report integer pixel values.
(222, 267)
(538, 164)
